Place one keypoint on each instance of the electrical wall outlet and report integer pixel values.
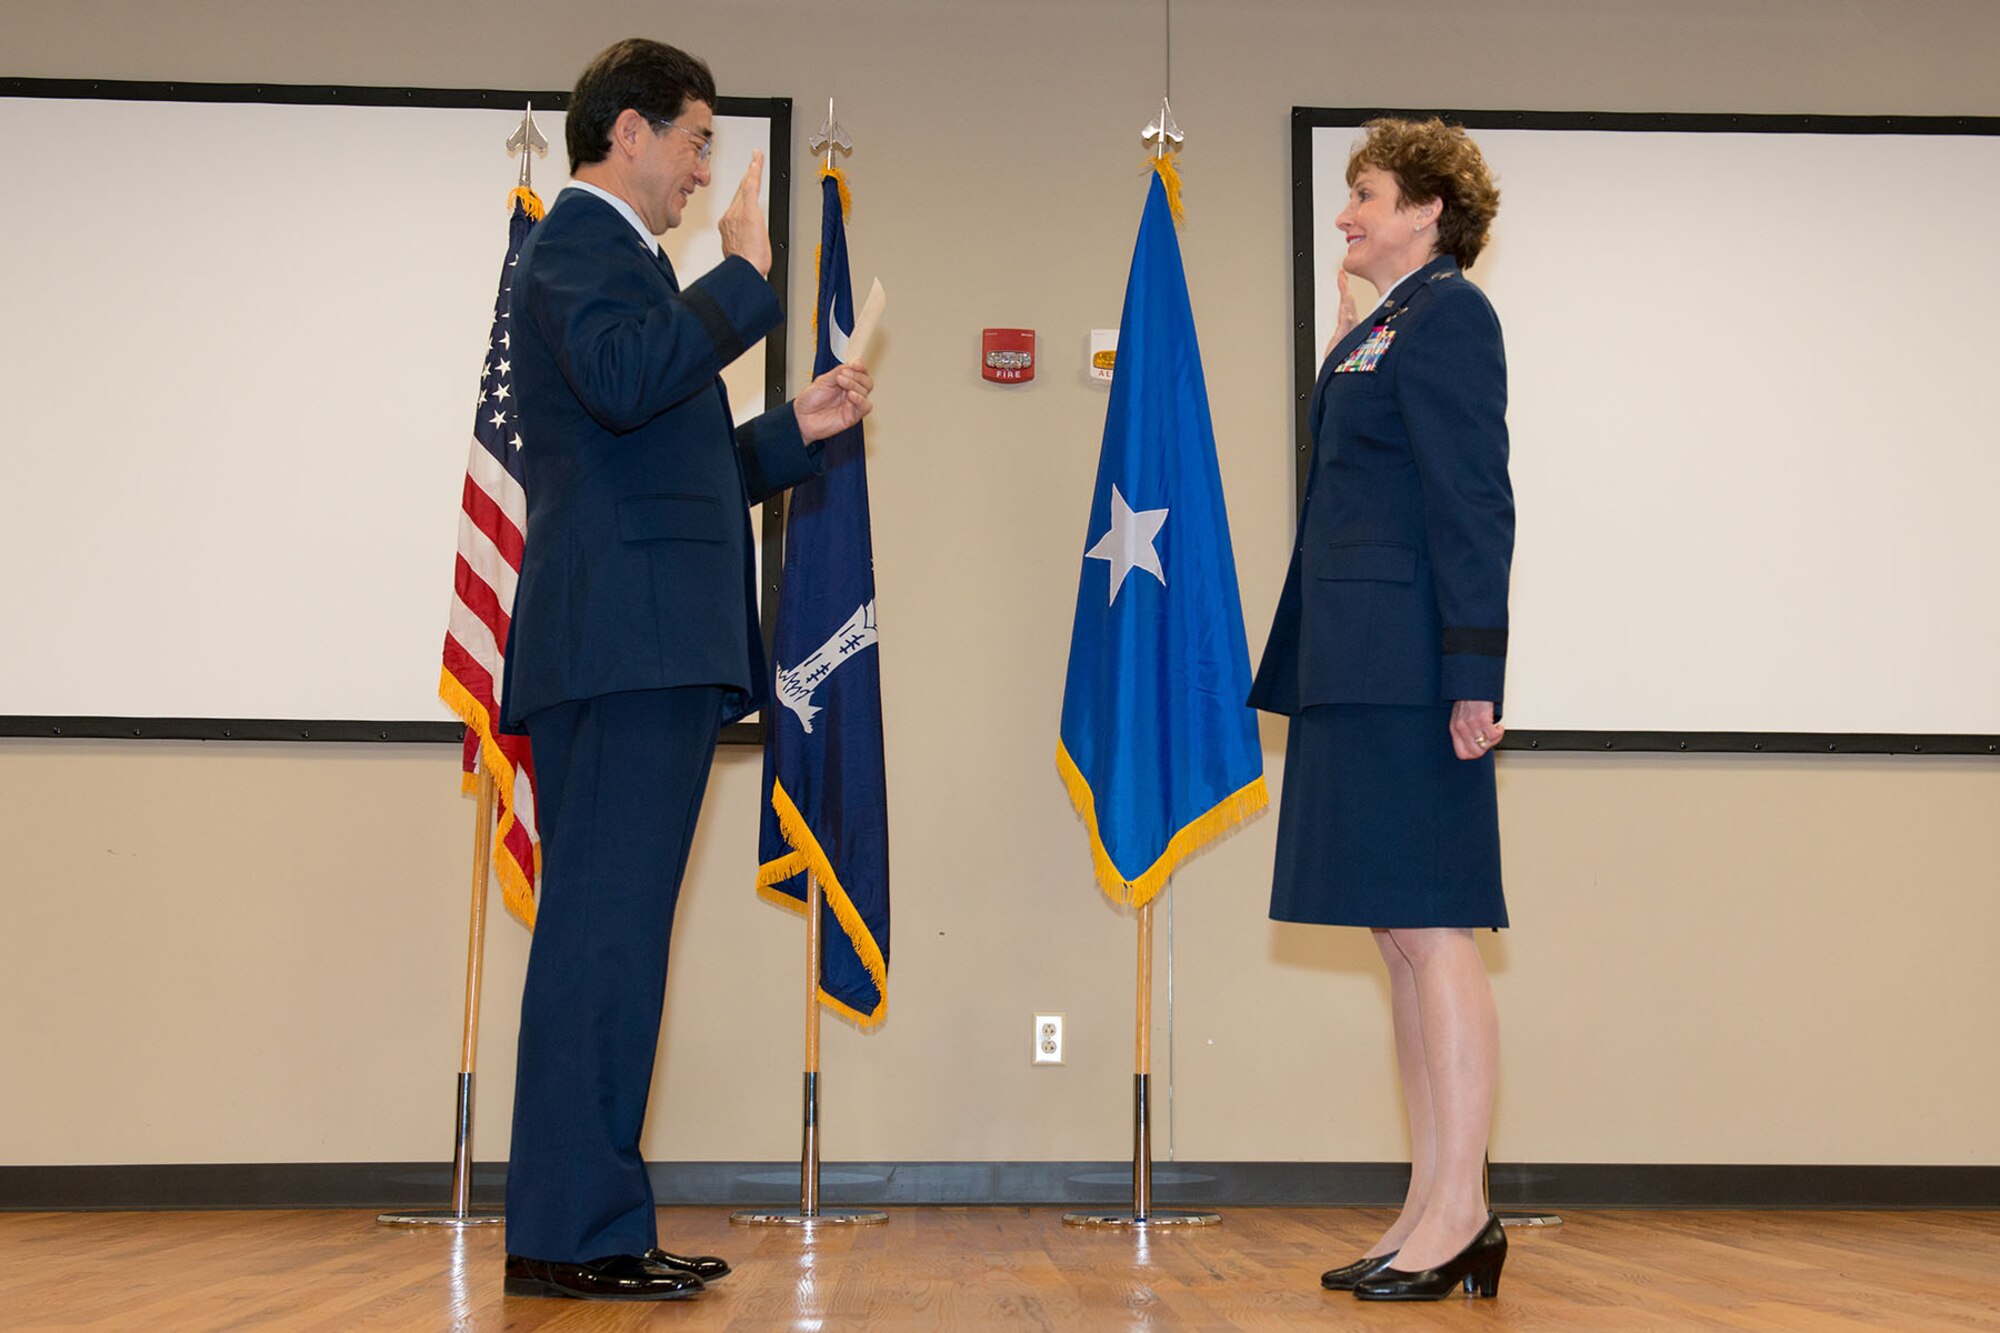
(1048, 1039)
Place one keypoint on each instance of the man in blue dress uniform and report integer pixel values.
(634, 637)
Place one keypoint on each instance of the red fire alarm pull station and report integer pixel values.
(1007, 356)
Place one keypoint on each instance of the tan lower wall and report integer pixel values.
(254, 953)
(227, 952)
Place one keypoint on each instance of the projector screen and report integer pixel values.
(242, 346)
(1755, 441)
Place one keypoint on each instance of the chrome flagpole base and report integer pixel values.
(1159, 1217)
(809, 1213)
(799, 1217)
(1141, 1213)
(440, 1217)
(1529, 1219)
(461, 1213)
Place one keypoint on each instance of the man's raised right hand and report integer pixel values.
(743, 229)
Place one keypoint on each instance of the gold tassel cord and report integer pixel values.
(809, 856)
(1224, 818)
(840, 179)
(846, 206)
(1170, 176)
(530, 202)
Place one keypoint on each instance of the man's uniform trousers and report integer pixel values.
(620, 780)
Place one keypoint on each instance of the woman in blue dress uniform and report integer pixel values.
(1388, 653)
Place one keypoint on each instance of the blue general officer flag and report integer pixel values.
(1158, 749)
(826, 797)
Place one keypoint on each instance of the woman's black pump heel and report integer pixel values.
(1477, 1267)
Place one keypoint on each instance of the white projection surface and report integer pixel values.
(238, 362)
(1754, 423)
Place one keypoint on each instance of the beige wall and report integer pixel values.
(233, 952)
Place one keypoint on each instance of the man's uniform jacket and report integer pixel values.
(638, 571)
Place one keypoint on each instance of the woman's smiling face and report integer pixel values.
(1385, 240)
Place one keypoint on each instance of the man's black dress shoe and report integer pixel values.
(704, 1266)
(1477, 1266)
(1344, 1277)
(620, 1277)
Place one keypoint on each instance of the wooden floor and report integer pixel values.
(1003, 1268)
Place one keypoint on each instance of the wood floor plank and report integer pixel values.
(1008, 1268)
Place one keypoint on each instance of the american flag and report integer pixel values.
(493, 514)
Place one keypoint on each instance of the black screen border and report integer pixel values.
(778, 110)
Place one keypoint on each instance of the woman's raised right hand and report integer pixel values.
(1345, 316)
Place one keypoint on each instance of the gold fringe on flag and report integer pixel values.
(1224, 818)
(530, 202)
(1170, 176)
(809, 856)
(517, 890)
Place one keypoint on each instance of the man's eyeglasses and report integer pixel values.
(703, 145)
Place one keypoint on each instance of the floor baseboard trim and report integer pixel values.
(1515, 1185)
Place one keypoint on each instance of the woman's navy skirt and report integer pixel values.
(1381, 824)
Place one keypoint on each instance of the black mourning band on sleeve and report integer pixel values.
(1483, 642)
(728, 343)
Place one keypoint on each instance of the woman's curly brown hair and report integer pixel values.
(1433, 160)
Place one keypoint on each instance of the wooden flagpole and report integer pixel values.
(460, 1213)
(1142, 1075)
(809, 1211)
(528, 143)
(1143, 1213)
(809, 1142)
(831, 135)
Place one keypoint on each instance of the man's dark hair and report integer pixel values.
(654, 79)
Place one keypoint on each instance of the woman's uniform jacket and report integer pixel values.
(637, 572)
(1397, 592)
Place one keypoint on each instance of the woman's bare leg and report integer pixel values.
(1460, 1036)
(1407, 1015)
